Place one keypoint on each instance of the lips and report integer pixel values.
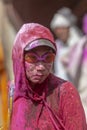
(38, 76)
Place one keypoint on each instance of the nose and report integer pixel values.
(40, 66)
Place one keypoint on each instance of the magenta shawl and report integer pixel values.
(43, 108)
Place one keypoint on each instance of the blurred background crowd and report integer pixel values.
(68, 23)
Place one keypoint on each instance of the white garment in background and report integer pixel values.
(63, 50)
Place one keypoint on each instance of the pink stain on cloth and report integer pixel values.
(52, 105)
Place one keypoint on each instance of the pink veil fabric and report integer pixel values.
(39, 108)
(27, 34)
(24, 95)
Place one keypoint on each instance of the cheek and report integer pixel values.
(29, 69)
(49, 67)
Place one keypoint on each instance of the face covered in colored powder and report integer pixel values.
(27, 41)
(38, 63)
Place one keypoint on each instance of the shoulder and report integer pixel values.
(66, 88)
(69, 93)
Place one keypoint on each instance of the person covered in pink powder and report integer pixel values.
(41, 101)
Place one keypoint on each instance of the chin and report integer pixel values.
(38, 81)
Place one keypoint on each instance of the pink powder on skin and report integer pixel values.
(38, 72)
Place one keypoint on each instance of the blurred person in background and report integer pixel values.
(77, 68)
(63, 24)
(41, 101)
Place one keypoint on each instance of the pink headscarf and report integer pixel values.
(40, 108)
(24, 96)
(27, 34)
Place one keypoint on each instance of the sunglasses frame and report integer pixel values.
(40, 58)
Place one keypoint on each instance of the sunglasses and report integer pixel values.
(47, 57)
